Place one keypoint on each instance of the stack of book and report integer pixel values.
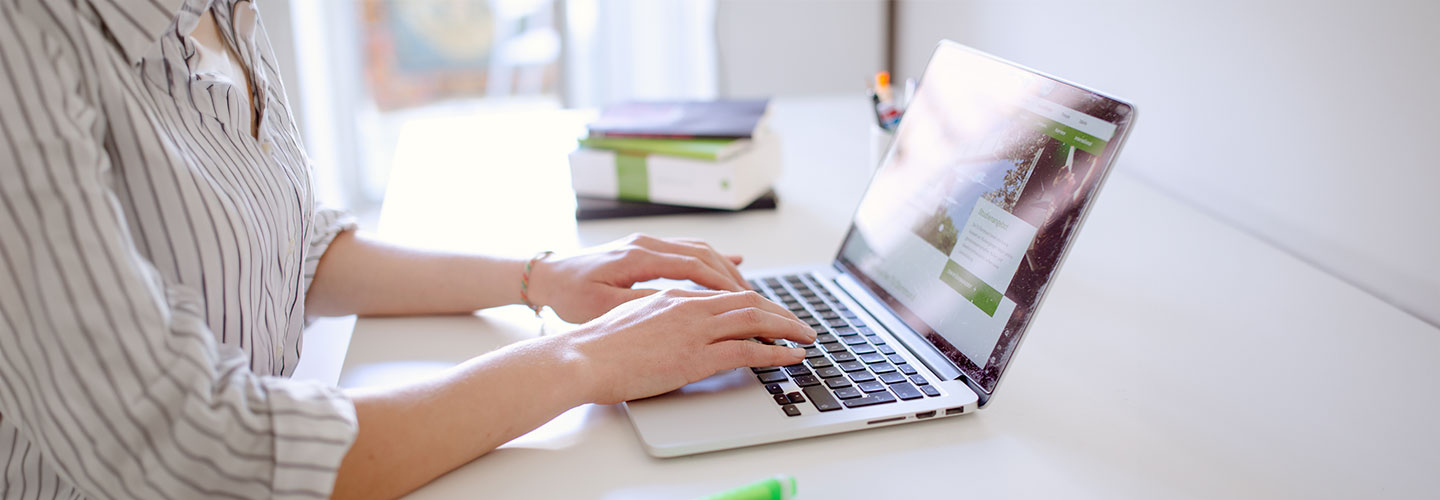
(708, 154)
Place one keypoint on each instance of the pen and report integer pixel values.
(875, 106)
(780, 487)
(909, 92)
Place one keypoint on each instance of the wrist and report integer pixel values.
(576, 370)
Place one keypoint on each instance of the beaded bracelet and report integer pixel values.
(525, 282)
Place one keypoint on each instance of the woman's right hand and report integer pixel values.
(663, 341)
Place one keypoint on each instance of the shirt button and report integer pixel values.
(266, 147)
(279, 351)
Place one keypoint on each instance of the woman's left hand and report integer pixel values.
(582, 286)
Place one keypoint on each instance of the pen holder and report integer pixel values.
(880, 140)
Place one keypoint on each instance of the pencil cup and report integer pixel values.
(880, 140)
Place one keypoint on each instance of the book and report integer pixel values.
(723, 119)
(727, 184)
(588, 208)
(701, 149)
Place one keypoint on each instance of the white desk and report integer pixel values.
(1176, 356)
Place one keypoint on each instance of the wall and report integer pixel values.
(799, 47)
(1311, 124)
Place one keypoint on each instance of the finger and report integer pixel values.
(733, 354)
(720, 303)
(683, 267)
(696, 249)
(755, 322)
(724, 261)
(735, 259)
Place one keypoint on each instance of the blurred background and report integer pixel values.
(1310, 125)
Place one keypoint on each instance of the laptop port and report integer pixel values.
(954, 411)
(885, 420)
(925, 414)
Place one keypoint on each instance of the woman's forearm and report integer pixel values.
(410, 435)
(359, 275)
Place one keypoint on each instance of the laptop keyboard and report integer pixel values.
(848, 366)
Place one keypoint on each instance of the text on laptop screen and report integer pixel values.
(967, 218)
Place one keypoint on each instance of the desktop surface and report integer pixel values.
(1175, 357)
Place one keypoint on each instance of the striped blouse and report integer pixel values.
(154, 258)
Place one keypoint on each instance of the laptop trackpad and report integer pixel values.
(728, 380)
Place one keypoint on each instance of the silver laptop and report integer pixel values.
(948, 257)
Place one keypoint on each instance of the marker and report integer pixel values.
(882, 87)
(780, 487)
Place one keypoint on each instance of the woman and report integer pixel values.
(160, 249)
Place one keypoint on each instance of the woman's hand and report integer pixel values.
(661, 342)
(583, 286)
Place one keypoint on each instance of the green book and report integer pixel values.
(702, 149)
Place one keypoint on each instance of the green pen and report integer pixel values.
(780, 487)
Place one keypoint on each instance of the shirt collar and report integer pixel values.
(137, 24)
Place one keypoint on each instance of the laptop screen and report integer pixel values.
(974, 205)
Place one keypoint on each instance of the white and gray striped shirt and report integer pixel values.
(154, 258)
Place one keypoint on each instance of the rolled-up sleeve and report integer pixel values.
(328, 224)
(107, 370)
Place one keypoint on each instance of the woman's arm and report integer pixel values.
(360, 275)
(412, 434)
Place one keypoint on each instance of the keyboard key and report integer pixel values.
(829, 372)
(919, 380)
(791, 410)
(872, 386)
(836, 383)
(906, 391)
(845, 331)
(795, 397)
(822, 399)
(825, 338)
(895, 358)
(852, 366)
(854, 340)
(930, 390)
(773, 388)
(866, 330)
(872, 358)
(781, 399)
(841, 357)
(833, 347)
(885, 348)
(875, 398)
(797, 370)
(809, 380)
(836, 323)
(882, 368)
(814, 352)
(772, 377)
(818, 363)
(862, 377)
(819, 329)
(862, 348)
(858, 323)
(764, 369)
(814, 323)
(889, 378)
(907, 369)
(848, 393)
(828, 315)
(850, 315)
